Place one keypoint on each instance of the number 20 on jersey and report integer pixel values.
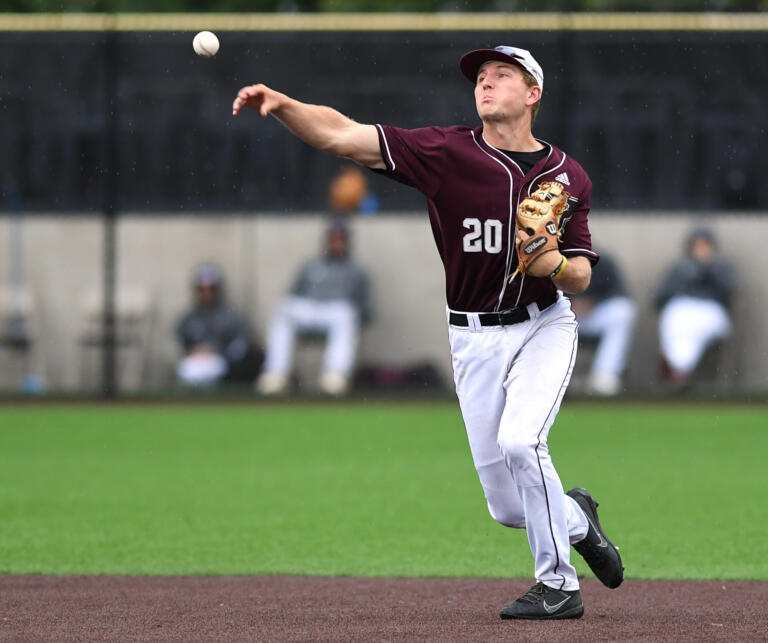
(482, 235)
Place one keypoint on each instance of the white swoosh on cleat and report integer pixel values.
(553, 608)
(603, 542)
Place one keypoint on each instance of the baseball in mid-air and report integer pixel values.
(206, 44)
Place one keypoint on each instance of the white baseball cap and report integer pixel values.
(471, 61)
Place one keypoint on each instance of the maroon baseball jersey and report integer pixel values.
(473, 191)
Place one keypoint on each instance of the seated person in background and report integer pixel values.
(693, 299)
(606, 313)
(214, 336)
(330, 296)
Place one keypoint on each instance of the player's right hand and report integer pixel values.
(258, 97)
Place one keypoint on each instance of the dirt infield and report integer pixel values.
(259, 608)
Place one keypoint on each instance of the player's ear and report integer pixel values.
(534, 94)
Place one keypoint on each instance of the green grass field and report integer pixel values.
(364, 489)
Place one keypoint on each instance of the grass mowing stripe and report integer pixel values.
(359, 489)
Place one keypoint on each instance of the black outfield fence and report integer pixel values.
(118, 113)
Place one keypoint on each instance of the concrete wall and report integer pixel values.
(260, 255)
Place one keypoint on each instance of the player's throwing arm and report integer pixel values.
(321, 127)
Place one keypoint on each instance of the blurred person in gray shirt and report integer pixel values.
(693, 300)
(330, 297)
(214, 337)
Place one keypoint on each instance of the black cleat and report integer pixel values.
(598, 552)
(542, 602)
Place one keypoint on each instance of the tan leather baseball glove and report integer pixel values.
(539, 215)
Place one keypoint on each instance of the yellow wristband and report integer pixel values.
(559, 270)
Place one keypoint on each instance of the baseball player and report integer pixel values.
(509, 217)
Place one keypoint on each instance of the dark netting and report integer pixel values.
(658, 119)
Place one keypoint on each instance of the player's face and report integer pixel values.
(501, 92)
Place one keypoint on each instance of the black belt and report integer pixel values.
(505, 317)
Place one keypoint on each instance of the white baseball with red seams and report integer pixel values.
(206, 44)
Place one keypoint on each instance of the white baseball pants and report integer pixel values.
(687, 327)
(510, 381)
(338, 319)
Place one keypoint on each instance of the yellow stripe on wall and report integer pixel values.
(540, 21)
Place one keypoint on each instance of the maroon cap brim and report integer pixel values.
(471, 62)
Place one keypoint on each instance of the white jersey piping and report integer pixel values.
(530, 185)
(511, 216)
(386, 147)
(580, 250)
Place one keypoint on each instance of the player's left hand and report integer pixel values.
(543, 265)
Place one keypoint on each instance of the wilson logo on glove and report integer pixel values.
(533, 245)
